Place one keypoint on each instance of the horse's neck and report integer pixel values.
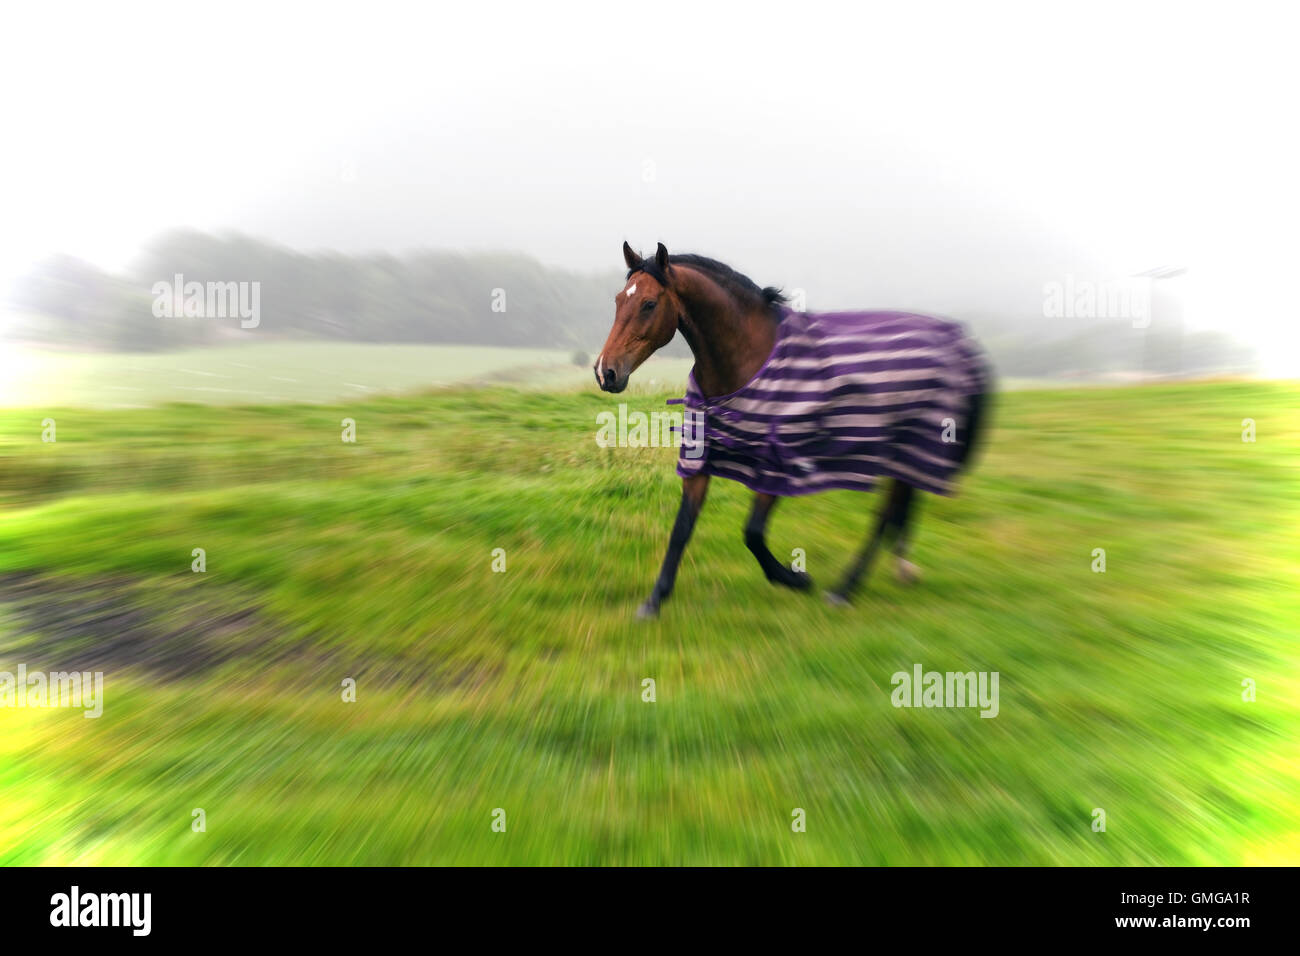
(730, 341)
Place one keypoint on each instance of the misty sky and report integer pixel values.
(950, 157)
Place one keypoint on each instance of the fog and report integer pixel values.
(938, 157)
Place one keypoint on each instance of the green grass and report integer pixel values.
(522, 690)
(279, 372)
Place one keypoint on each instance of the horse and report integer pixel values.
(790, 403)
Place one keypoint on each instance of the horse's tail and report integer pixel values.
(977, 409)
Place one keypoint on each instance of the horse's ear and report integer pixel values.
(661, 258)
(631, 258)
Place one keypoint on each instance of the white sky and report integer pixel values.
(949, 156)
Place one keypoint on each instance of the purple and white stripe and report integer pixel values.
(844, 399)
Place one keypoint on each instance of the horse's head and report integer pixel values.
(645, 318)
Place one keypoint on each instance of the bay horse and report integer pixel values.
(792, 403)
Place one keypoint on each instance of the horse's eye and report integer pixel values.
(648, 306)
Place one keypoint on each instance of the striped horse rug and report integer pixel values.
(844, 399)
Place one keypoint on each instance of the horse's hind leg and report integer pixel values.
(891, 521)
(755, 533)
(903, 520)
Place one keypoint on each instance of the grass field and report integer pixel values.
(522, 690)
(279, 372)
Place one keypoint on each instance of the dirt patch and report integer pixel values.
(171, 631)
(182, 629)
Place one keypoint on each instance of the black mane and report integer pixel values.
(734, 282)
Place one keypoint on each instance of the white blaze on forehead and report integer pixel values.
(630, 290)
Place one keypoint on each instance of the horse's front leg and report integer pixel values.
(755, 540)
(694, 489)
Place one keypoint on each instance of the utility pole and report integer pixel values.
(1163, 352)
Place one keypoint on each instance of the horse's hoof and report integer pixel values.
(647, 611)
(908, 573)
(836, 600)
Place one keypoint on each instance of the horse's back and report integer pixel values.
(894, 353)
(846, 398)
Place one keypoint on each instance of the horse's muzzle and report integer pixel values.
(610, 381)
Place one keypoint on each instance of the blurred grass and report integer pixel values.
(280, 372)
(522, 690)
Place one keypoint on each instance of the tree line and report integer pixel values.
(446, 297)
(488, 299)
